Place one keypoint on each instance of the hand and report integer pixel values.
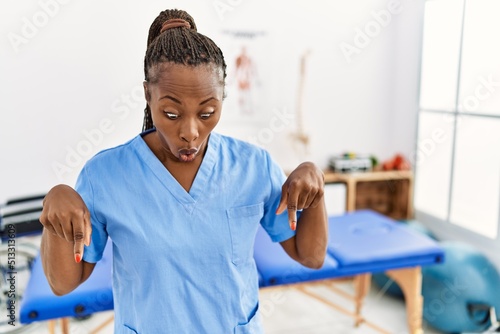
(303, 189)
(66, 215)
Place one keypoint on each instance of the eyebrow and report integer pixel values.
(179, 102)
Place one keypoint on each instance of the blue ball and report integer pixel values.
(459, 292)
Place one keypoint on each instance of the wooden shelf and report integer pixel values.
(387, 192)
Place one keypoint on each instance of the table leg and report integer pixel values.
(351, 195)
(52, 326)
(410, 282)
(65, 325)
(362, 287)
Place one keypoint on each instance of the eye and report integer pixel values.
(171, 115)
(206, 115)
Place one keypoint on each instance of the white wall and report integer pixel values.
(82, 70)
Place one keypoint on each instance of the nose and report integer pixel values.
(189, 130)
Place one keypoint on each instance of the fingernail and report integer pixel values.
(293, 226)
(78, 257)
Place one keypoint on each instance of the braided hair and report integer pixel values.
(179, 45)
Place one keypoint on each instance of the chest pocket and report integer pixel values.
(243, 222)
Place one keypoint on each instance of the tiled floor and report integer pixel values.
(288, 311)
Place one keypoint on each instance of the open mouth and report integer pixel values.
(187, 155)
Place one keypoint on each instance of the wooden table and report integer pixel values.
(387, 192)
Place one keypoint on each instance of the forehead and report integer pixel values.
(179, 78)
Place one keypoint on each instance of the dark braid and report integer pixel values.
(177, 45)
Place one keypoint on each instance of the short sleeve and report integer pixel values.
(94, 251)
(276, 226)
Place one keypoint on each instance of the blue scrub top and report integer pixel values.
(183, 261)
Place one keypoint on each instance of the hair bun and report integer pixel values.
(174, 23)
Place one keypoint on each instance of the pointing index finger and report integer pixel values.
(292, 216)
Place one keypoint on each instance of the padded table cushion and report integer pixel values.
(94, 295)
(276, 267)
(359, 242)
(368, 241)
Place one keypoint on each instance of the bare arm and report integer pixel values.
(304, 190)
(67, 228)
(63, 273)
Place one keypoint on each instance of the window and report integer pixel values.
(458, 144)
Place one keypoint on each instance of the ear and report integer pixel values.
(147, 95)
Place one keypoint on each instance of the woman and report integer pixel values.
(181, 204)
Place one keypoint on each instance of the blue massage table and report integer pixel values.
(94, 295)
(360, 243)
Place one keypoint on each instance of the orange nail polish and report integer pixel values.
(293, 226)
(78, 257)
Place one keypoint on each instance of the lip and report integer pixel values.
(187, 154)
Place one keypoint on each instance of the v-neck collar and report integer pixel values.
(187, 199)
